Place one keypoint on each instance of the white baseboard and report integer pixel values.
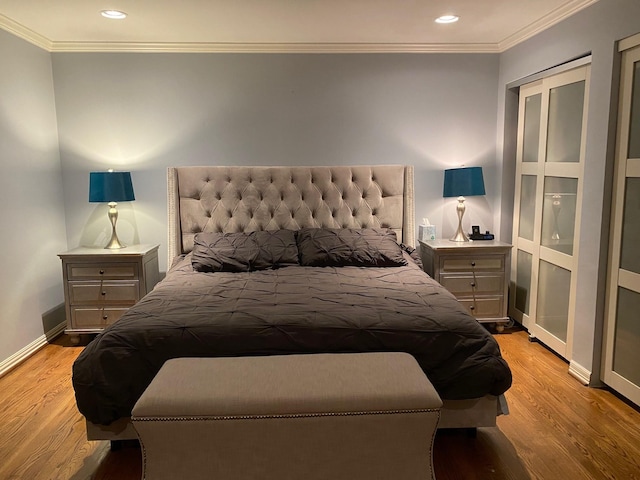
(20, 356)
(578, 371)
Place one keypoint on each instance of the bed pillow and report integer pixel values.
(369, 247)
(243, 252)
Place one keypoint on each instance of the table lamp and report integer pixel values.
(111, 187)
(462, 182)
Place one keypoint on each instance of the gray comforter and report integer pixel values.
(288, 310)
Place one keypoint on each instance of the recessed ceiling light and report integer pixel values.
(113, 14)
(447, 19)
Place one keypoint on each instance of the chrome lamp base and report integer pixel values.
(114, 243)
(460, 236)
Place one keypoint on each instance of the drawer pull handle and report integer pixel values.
(473, 284)
(104, 293)
(473, 264)
(104, 317)
(472, 307)
(101, 272)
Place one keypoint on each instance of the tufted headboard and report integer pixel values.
(245, 199)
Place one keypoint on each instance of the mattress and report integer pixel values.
(289, 310)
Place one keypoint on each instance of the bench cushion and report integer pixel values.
(337, 416)
(287, 384)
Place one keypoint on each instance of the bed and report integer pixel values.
(290, 260)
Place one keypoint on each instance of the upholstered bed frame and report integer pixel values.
(243, 199)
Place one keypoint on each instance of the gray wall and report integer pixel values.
(594, 30)
(145, 112)
(30, 194)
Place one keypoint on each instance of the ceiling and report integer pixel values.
(282, 25)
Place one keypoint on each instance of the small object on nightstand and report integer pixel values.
(476, 235)
(475, 272)
(426, 231)
(100, 284)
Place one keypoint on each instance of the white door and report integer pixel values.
(548, 197)
(622, 333)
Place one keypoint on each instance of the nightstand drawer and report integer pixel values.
(103, 293)
(469, 284)
(484, 307)
(92, 318)
(122, 271)
(470, 263)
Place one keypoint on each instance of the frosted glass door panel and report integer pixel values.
(523, 281)
(630, 249)
(527, 206)
(552, 308)
(634, 131)
(552, 115)
(564, 130)
(626, 354)
(559, 213)
(531, 128)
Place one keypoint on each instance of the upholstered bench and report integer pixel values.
(361, 416)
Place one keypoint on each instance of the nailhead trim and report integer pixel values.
(278, 416)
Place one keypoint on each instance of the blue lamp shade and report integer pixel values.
(110, 187)
(463, 182)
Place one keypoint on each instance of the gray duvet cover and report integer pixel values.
(289, 310)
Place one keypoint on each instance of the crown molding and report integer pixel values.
(529, 31)
(320, 48)
(25, 33)
(549, 20)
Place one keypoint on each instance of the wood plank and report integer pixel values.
(557, 429)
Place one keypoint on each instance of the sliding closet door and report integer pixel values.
(622, 344)
(549, 169)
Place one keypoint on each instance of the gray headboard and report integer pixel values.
(245, 199)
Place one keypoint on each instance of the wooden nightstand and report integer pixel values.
(475, 272)
(101, 284)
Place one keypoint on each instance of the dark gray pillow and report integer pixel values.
(338, 247)
(243, 252)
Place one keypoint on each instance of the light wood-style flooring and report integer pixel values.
(557, 429)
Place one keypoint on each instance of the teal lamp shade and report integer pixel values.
(463, 182)
(110, 187)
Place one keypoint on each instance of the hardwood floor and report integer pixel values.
(557, 429)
